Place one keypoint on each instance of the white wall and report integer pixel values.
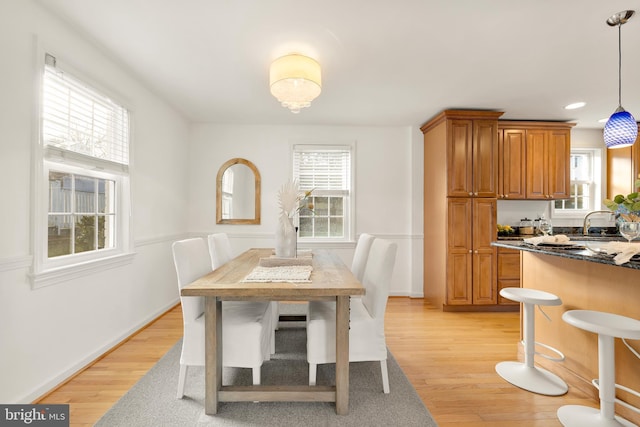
(49, 333)
(385, 184)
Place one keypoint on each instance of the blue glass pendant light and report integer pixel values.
(621, 130)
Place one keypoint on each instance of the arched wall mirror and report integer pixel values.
(238, 193)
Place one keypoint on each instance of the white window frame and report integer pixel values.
(47, 271)
(595, 188)
(349, 197)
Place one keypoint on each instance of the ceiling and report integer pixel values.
(383, 63)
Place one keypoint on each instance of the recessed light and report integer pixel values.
(575, 105)
(603, 120)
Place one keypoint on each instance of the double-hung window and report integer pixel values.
(82, 178)
(585, 184)
(326, 171)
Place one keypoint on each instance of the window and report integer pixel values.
(585, 184)
(81, 215)
(82, 180)
(327, 171)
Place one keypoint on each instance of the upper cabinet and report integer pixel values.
(534, 160)
(623, 168)
(472, 153)
(512, 164)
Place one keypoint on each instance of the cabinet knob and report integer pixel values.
(475, 252)
(470, 251)
(470, 193)
(506, 196)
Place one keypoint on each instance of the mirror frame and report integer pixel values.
(256, 174)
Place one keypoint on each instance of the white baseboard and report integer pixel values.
(59, 379)
(406, 294)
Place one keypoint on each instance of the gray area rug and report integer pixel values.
(152, 401)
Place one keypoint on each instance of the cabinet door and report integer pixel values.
(459, 252)
(484, 255)
(537, 162)
(459, 158)
(512, 164)
(508, 272)
(485, 158)
(619, 171)
(558, 173)
(623, 168)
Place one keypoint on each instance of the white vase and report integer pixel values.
(286, 238)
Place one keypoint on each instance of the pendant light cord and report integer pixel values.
(619, 64)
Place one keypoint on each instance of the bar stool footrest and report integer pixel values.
(534, 379)
(560, 357)
(596, 384)
(585, 416)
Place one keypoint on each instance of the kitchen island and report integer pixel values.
(588, 280)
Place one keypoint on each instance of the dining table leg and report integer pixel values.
(213, 353)
(342, 355)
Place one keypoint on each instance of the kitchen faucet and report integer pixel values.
(587, 222)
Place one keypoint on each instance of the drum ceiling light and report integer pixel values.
(295, 81)
(621, 130)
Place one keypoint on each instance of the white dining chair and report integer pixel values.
(219, 249)
(221, 253)
(366, 318)
(361, 254)
(246, 326)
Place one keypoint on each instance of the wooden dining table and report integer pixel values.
(330, 280)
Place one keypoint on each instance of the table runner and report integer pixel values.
(287, 273)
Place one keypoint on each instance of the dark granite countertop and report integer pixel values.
(580, 252)
(576, 236)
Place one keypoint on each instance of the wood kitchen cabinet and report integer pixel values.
(508, 272)
(471, 260)
(512, 149)
(548, 155)
(623, 168)
(534, 160)
(472, 158)
(460, 189)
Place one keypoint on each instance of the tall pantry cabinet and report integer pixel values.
(460, 190)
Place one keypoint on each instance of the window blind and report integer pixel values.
(79, 119)
(324, 170)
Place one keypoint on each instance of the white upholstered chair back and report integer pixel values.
(191, 258)
(219, 249)
(361, 254)
(377, 277)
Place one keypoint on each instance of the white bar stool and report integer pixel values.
(526, 375)
(607, 326)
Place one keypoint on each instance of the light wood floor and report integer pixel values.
(448, 357)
